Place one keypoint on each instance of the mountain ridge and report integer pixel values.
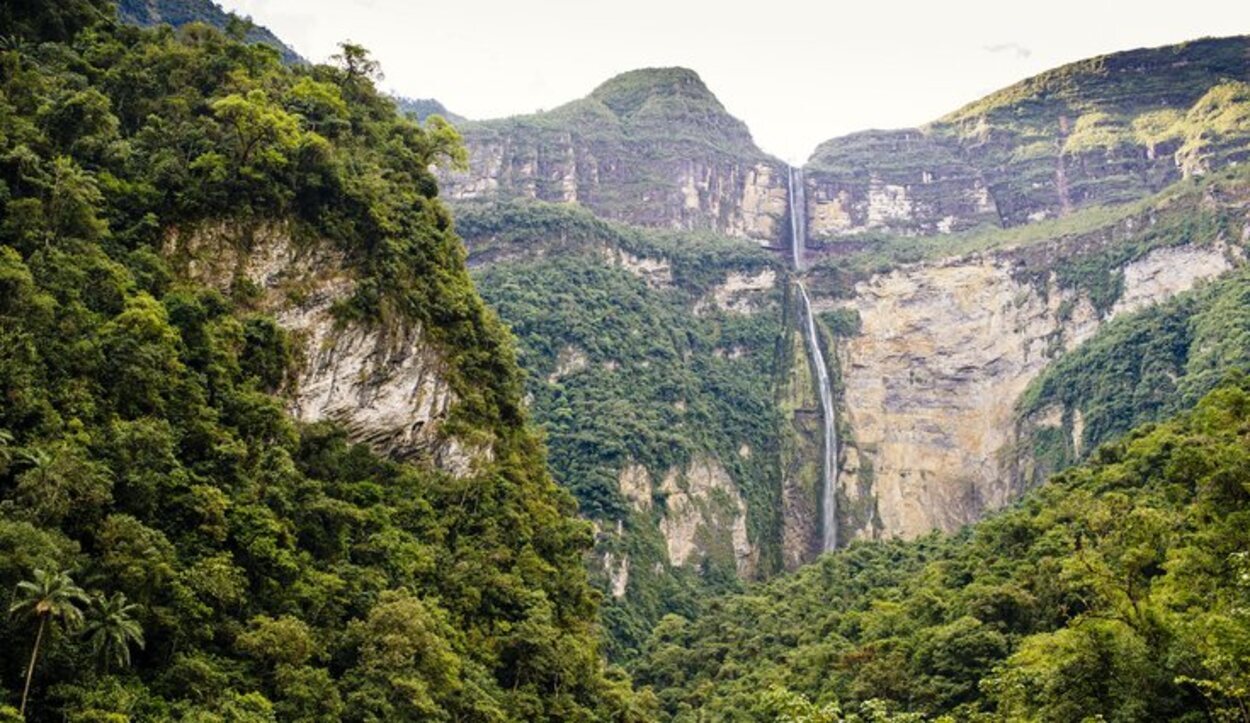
(176, 13)
(916, 251)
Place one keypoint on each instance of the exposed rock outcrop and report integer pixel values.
(945, 351)
(387, 386)
(704, 514)
(740, 293)
(651, 147)
(1101, 131)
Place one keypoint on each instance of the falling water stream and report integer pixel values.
(829, 498)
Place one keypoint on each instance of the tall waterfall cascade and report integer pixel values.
(829, 469)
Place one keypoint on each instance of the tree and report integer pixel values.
(6, 450)
(785, 706)
(112, 629)
(355, 60)
(58, 21)
(50, 596)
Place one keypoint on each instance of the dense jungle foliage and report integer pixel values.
(172, 544)
(625, 370)
(1119, 591)
(177, 13)
(1141, 368)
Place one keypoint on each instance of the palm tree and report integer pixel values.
(111, 630)
(50, 596)
(6, 449)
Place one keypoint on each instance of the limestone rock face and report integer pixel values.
(1168, 271)
(905, 182)
(737, 197)
(570, 360)
(656, 272)
(945, 351)
(740, 293)
(652, 148)
(635, 482)
(704, 514)
(387, 386)
(618, 574)
(1097, 132)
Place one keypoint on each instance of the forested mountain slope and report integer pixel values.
(1117, 591)
(150, 13)
(222, 280)
(947, 270)
(651, 361)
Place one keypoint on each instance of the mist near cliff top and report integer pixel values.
(797, 71)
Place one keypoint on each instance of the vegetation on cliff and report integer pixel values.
(1118, 591)
(622, 371)
(1085, 251)
(1141, 368)
(652, 147)
(148, 13)
(1106, 130)
(225, 562)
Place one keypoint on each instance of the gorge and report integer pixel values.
(946, 269)
(351, 409)
(828, 418)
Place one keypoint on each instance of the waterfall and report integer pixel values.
(798, 217)
(829, 470)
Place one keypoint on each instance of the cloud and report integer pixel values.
(1016, 48)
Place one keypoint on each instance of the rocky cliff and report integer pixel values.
(951, 267)
(651, 147)
(932, 381)
(386, 384)
(1102, 131)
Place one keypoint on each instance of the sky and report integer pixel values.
(797, 71)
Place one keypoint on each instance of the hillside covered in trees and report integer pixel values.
(1119, 591)
(180, 540)
(173, 545)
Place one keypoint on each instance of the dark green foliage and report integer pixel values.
(35, 20)
(842, 322)
(274, 571)
(1141, 368)
(622, 371)
(177, 13)
(1115, 592)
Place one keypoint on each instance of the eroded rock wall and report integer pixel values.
(386, 385)
(931, 382)
(696, 188)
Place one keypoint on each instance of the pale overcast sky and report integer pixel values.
(797, 71)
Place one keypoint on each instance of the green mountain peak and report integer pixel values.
(628, 92)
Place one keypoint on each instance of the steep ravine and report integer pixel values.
(945, 351)
(807, 323)
(945, 269)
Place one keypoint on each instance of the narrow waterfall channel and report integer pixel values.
(829, 469)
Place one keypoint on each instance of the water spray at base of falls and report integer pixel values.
(829, 469)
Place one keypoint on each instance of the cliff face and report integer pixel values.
(950, 267)
(945, 351)
(652, 148)
(898, 181)
(387, 386)
(1102, 131)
